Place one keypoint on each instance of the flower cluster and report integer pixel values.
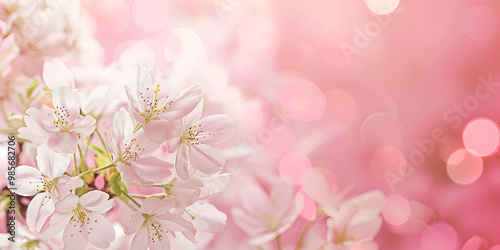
(129, 154)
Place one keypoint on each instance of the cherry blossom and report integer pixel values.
(131, 152)
(152, 109)
(82, 221)
(63, 126)
(357, 220)
(153, 222)
(264, 216)
(194, 139)
(48, 183)
(8, 49)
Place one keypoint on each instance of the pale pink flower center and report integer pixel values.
(271, 224)
(193, 136)
(341, 236)
(155, 229)
(131, 152)
(151, 107)
(62, 122)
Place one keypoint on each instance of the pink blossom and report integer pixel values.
(264, 215)
(8, 49)
(184, 192)
(357, 220)
(152, 223)
(152, 109)
(193, 142)
(48, 183)
(131, 152)
(81, 219)
(64, 126)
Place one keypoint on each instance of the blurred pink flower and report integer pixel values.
(131, 152)
(8, 49)
(152, 110)
(64, 126)
(193, 141)
(264, 216)
(184, 192)
(152, 223)
(55, 73)
(49, 184)
(81, 219)
(356, 221)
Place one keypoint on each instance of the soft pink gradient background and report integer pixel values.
(424, 60)
(359, 116)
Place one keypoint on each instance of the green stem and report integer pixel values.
(82, 161)
(132, 199)
(278, 242)
(138, 196)
(75, 171)
(94, 170)
(104, 144)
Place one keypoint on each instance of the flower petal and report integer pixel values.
(75, 236)
(66, 184)
(174, 222)
(140, 240)
(40, 123)
(100, 233)
(183, 103)
(135, 223)
(56, 224)
(84, 125)
(96, 201)
(51, 163)
(181, 162)
(220, 128)
(66, 103)
(207, 217)
(27, 180)
(159, 131)
(67, 204)
(152, 169)
(63, 142)
(41, 207)
(205, 159)
(55, 73)
(123, 125)
(249, 224)
(156, 206)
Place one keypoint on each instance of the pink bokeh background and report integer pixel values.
(333, 85)
(397, 95)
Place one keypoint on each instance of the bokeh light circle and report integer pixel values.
(480, 23)
(464, 167)
(302, 99)
(481, 137)
(294, 166)
(381, 129)
(382, 7)
(151, 15)
(112, 16)
(396, 210)
(476, 243)
(257, 34)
